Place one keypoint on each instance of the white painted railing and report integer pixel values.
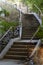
(39, 11)
(37, 45)
(39, 20)
(36, 48)
(35, 34)
(9, 41)
(38, 8)
(5, 33)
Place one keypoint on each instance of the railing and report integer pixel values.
(36, 47)
(35, 50)
(11, 33)
(34, 55)
(35, 33)
(38, 9)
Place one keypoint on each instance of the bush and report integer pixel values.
(40, 33)
(5, 12)
(6, 25)
(0, 12)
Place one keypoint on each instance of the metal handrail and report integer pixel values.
(6, 38)
(37, 45)
(5, 33)
(35, 49)
(35, 34)
(38, 8)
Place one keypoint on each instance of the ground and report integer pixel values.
(10, 62)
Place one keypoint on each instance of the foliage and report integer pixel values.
(5, 12)
(6, 25)
(0, 12)
(40, 33)
(42, 20)
(39, 3)
(32, 2)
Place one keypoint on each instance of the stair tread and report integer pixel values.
(16, 52)
(23, 47)
(11, 53)
(19, 48)
(20, 45)
(16, 55)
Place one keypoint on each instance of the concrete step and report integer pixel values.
(20, 50)
(15, 53)
(24, 46)
(23, 52)
(15, 57)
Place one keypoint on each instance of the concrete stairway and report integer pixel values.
(20, 51)
(28, 33)
(29, 26)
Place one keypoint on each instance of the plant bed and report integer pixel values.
(4, 26)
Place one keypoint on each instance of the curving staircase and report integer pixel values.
(29, 26)
(22, 49)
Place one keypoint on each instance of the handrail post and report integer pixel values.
(13, 31)
(34, 34)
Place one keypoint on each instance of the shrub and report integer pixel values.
(40, 33)
(6, 25)
(5, 12)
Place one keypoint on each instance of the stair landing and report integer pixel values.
(10, 62)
